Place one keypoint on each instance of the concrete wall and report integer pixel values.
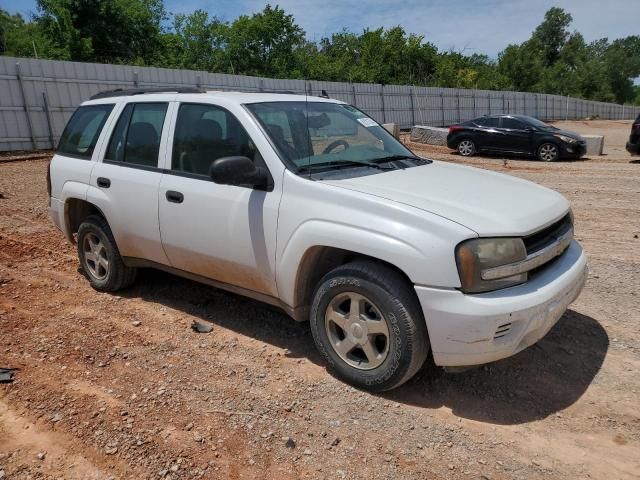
(30, 87)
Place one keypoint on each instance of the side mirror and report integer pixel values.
(239, 171)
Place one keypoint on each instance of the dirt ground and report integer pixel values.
(119, 386)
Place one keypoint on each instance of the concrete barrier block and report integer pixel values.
(595, 144)
(393, 129)
(429, 135)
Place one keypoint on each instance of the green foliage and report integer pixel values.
(119, 31)
(270, 43)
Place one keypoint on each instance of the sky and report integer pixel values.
(468, 26)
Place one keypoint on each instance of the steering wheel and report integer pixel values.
(335, 144)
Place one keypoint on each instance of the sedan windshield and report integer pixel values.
(312, 135)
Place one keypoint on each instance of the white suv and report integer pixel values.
(310, 205)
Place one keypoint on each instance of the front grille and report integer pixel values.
(549, 235)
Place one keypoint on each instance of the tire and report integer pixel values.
(548, 152)
(387, 303)
(466, 147)
(100, 258)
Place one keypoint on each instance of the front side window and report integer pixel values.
(136, 138)
(205, 133)
(308, 134)
(81, 133)
(512, 124)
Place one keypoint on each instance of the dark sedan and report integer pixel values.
(515, 134)
(633, 145)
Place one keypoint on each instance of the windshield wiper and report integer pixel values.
(393, 158)
(343, 164)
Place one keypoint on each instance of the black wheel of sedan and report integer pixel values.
(466, 147)
(99, 256)
(548, 152)
(367, 323)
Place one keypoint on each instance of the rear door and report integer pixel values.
(223, 232)
(124, 185)
(516, 136)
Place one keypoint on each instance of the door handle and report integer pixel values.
(174, 197)
(103, 182)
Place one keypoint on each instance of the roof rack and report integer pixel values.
(125, 92)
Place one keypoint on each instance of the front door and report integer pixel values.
(222, 232)
(517, 137)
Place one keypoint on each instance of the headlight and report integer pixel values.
(477, 255)
(566, 139)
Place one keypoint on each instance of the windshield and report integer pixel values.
(309, 134)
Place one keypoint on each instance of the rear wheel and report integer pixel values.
(548, 152)
(368, 325)
(99, 256)
(466, 147)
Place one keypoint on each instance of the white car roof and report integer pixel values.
(236, 97)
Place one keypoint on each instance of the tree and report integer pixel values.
(262, 44)
(551, 35)
(22, 39)
(270, 43)
(120, 31)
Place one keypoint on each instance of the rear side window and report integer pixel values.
(136, 138)
(490, 122)
(81, 133)
(205, 133)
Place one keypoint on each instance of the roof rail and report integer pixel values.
(125, 92)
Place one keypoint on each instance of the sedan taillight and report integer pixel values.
(454, 128)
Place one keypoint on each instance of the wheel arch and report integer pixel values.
(319, 260)
(75, 211)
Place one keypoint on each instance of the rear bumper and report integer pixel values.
(476, 329)
(56, 212)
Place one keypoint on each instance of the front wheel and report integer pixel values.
(548, 152)
(368, 325)
(466, 147)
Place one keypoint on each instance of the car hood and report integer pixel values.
(566, 133)
(489, 203)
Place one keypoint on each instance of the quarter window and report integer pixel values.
(205, 133)
(81, 133)
(136, 138)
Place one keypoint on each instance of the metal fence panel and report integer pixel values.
(25, 83)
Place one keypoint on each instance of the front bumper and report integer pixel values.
(633, 148)
(574, 149)
(475, 329)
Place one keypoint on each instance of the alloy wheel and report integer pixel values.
(357, 331)
(548, 152)
(465, 148)
(95, 256)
